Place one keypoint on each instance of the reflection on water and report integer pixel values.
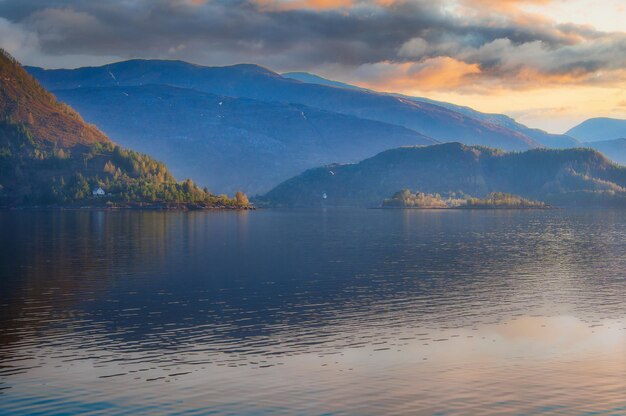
(309, 312)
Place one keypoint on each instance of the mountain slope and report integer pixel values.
(542, 137)
(251, 81)
(23, 100)
(599, 129)
(232, 143)
(580, 176)
(48, 155)
(613, 149)
(309, 78)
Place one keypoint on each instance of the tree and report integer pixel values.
(241, 199)
(187, 186)
(109, 168)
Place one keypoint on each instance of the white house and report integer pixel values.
(98, 192)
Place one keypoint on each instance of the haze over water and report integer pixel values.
(313, 312)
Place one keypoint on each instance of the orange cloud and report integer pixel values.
(508, 5)
(304, 4)
(431, 74)
(508, 9)
(388, 3)
(189, 2)
(444, 74)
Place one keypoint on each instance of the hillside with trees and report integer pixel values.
(579, 177)
(50, 156)
(23, 101)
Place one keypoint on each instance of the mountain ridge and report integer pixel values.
(23, 100)
(258, 83)
(615, 149)
(599, 129)
(544, 138)
(232, 143)
(560, 177)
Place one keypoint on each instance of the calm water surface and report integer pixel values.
(313, 312)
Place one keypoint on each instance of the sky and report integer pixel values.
(549, 63)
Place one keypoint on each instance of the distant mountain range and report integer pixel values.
(256, 144)
(49, 155)
(614, 149)
(599, 129)
(252, 81)
(560, 177)
(246, 127)
(607, 135)
(542, 137)
(233, 143)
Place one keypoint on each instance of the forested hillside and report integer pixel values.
(49, 155)
(559, 177)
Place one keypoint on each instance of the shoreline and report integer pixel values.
(184, 207)
(473, 208)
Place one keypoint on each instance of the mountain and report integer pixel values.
(542, 137)
(254, 82)
(309, 78)
(232, 143)
(599, 129)
(24, 101)
(49, 155)
(559, 177)
(613, 149)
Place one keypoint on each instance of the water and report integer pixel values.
(313, 312)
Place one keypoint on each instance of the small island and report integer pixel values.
(495, 200)
(500, 200)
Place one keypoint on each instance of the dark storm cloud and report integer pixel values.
(237, 28)
(283, 38)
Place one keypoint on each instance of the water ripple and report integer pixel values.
(313, 312)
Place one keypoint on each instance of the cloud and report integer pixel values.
(57, 25)
(414, 48)
(503, 5)
(387, 43)
(15, 38)
(25, 45)
(303, 4)
(431, 74)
